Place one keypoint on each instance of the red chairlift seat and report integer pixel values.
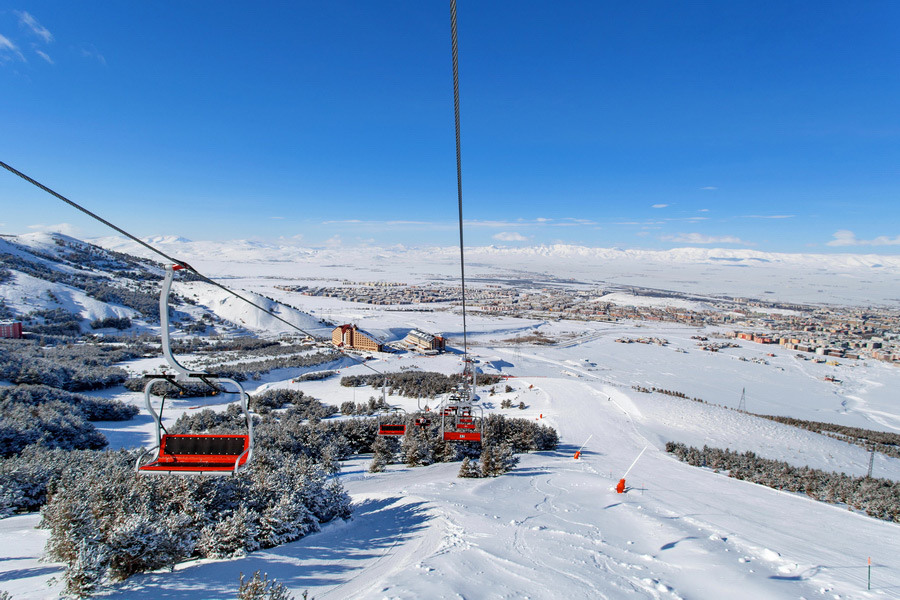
(391, 429)
(199, 454)
(462, 436)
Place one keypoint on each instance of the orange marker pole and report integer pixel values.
(869, 586)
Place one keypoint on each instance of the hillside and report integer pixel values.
(58, 284)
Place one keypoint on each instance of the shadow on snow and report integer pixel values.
(328, 558)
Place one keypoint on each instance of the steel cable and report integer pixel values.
(173, 260)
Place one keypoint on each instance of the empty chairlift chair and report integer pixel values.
(192, 454)
(392, 423)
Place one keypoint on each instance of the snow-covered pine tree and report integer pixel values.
(489, 465)
(236, 535)
(416, 448)
(469, 469)
(260, 588)
(381, 455)
(505, 458)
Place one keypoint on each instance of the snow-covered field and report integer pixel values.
(555, 527)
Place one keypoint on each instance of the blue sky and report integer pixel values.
(765, 125)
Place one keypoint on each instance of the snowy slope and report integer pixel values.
(235, 310)
(25, 294)
(554, 527)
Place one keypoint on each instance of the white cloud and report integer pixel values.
(639, 222)
(276, 218)
(574, 221)
(709, 188)
(497, 224)
(8, 47)
(93, 53)
(659, 206)
(699, 238)
(845, 237)
(703, 210)
(508, 236)
(334, 242)
(340, 222)
(64, 228)
(29, 22)
(45, 56)
(769, 216)
(543, 220)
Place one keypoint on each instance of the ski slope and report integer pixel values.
(555, 526)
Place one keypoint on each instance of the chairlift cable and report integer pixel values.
(173, 260)
(462, 262)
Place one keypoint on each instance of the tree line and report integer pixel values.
(879, 498)
(415, 384)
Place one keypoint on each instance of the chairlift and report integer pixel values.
(392, 423)
(458, 423)
(192, 454)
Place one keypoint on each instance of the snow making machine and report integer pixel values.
(192, 454)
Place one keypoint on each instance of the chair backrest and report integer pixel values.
(204, 445)
(391, 429)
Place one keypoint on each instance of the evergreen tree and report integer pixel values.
(260, 588)
(489, 465)
(382, 455)
(469, 469)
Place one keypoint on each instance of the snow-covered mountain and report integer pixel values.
(54, 281)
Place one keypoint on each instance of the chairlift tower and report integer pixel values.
(742, 405)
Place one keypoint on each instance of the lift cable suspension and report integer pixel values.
(462, 262)
(181, 263)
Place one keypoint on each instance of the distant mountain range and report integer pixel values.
(855, 279)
